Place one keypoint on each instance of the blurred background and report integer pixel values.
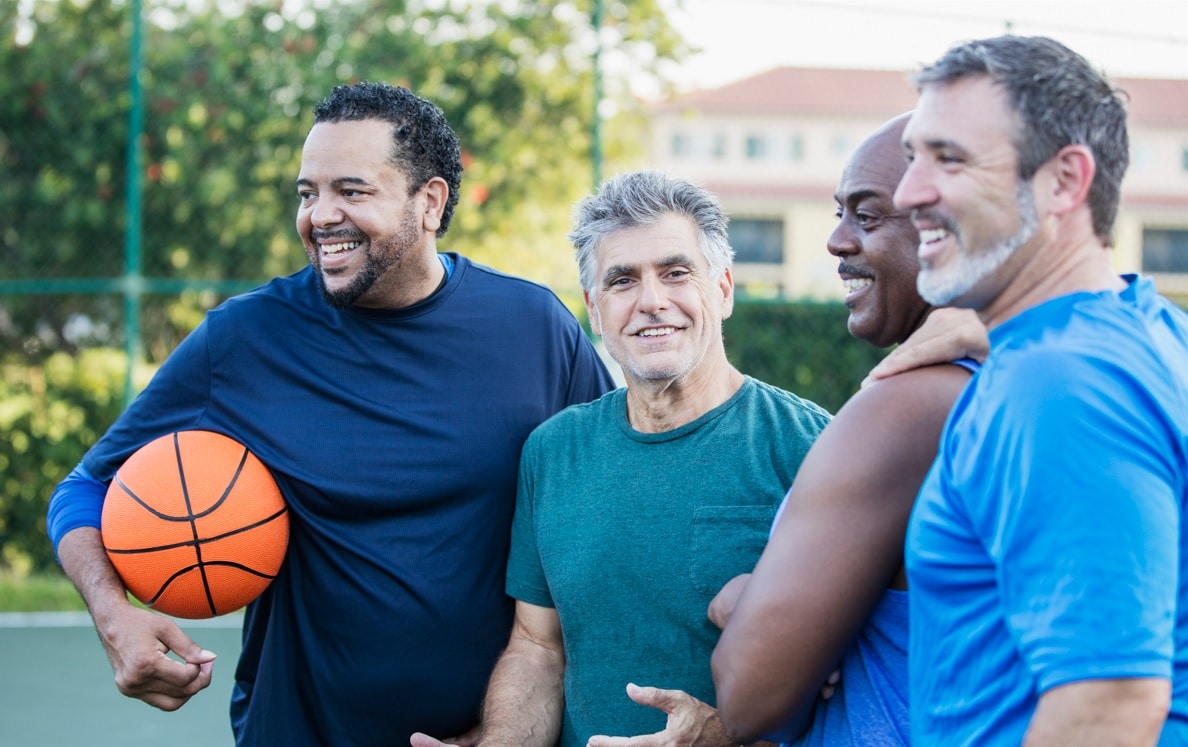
(148, 150)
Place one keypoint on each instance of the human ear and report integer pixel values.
(592, 312)
(726, 284)
(1072, 171)
(436, 193)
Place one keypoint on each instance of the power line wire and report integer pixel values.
(1005, 21)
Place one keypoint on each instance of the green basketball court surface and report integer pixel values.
(57, 688)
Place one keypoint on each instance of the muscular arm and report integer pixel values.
(525, 697)
(1101, 712)
(136, 640)
(837, 548)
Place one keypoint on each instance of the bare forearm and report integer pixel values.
(525, 698)
(85, 562)
(1118, 713)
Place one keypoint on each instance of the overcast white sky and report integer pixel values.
(1128, 38)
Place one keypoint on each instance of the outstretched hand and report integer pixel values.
(138, 643)
(691, 723)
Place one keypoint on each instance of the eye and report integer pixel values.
(677, 273)
(864, 219)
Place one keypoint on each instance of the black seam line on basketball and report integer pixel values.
(188, 516)
(208, 540)
(223, 563)
(181, 471)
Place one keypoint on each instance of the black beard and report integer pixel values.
(346, 297)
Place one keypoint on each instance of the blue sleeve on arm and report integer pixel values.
(76, 502)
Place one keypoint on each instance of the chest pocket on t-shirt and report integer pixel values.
(727, 541)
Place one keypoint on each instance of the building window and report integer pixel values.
(756, 147)
(709, 145)
(1165, 250)
(796, 148)
(698, 145)
(757, 240)
(680, 144)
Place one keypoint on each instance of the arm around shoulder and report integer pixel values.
(837, 548)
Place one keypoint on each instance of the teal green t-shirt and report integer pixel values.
(629, 536)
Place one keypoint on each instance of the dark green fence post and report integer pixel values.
(132, 285)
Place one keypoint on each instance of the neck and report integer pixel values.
(656, 406)
(412, 279)
(1068, 259)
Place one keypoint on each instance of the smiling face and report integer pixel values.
(655, 304)
(973, 213)
(356, 217)
(876, 244)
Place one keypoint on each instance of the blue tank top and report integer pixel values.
(871, 706)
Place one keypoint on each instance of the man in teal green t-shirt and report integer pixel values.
(634, 510)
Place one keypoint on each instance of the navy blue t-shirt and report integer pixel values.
(395, 437)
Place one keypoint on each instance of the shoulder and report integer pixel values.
(481, 278)
(786, 402)
(585, 420)
(919, 397)
(298, 290)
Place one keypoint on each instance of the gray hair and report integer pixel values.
(641, 198)
(1060, 100)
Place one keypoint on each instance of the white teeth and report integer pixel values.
(853, 284)
(656, 332)
(930, 235)
(337, 248)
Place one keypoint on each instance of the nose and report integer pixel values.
(325, 212)
(652, 294)
(842, 241)
(916, 189)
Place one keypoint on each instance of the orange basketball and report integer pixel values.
(195, 525)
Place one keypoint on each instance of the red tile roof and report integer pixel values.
(835, 91)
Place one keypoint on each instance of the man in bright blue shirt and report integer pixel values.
(1045, 553)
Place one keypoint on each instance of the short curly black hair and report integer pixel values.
(423, 143)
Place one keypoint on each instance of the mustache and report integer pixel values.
(845, 268)
(341, 234)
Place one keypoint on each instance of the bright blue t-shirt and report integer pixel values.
(395, 437)
(1046, 546)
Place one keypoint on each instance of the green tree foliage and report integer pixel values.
(228, 96)
(49, 413)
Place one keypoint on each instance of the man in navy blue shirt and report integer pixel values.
(389, 388)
